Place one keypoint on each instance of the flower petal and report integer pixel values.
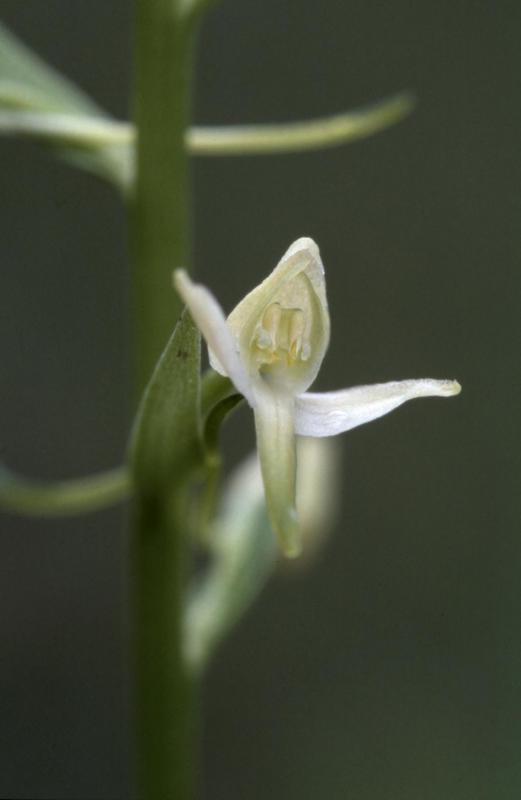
(296, 282)
(274, 422)
(329, 413)
(209, 318)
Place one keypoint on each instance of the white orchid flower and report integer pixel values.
(271, 347)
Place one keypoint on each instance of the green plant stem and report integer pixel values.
(162, 228)
(161, 236)
(165, 692)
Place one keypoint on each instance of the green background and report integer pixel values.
(390, 669)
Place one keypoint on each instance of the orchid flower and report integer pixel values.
(271, 347)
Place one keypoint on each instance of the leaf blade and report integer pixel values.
(166, 439)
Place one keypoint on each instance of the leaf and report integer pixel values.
(166, 440)
(28, 84)
(36, 101)
(40, 85)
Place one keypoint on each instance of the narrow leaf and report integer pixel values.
(166, 440)
(36, 100)
(40, 85)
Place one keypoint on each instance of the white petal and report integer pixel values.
(297, 281)
(274, 423)
(329, 413)
(209, 318)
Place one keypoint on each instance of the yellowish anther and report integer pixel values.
(271, 320)
(297, 324)
(263, 339)
(280, 336)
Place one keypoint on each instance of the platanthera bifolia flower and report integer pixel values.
(271, 347)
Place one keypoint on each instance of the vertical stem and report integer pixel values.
(165, 713)
(160, 230)
(164, 50)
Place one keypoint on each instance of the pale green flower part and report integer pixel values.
(271, 347)
(318, 491)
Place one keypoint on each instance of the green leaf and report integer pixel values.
(215, 419)
(37, 102)
(28, 84)
(27, 81)
(166, 441)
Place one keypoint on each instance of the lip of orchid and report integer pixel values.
(271, 347)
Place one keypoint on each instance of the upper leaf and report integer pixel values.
(28, 85)
(27, 81)
(166, 439)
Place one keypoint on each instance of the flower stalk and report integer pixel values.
(160, 220)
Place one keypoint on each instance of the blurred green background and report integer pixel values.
(391, 668)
